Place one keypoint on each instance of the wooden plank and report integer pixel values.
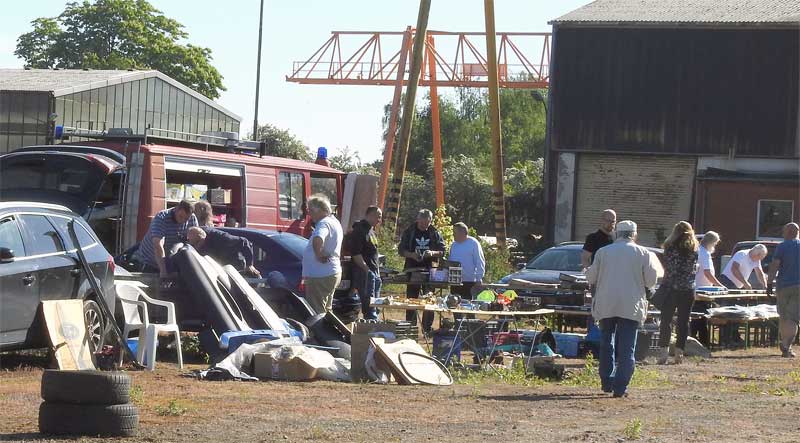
(67, 333)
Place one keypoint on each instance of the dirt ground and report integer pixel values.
(735, 396)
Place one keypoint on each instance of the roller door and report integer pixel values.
(654, 191)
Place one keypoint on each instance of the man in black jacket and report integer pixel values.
(421, 244)
(225, 248)
(364, 251)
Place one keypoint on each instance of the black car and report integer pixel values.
(276, 251)
(38, 262)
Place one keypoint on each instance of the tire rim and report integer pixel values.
(94, 326)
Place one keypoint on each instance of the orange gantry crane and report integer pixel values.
(457, 61)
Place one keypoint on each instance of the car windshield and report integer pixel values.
(294, 243)
(557, 260)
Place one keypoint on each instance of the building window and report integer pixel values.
(291, 195)
(772, 215)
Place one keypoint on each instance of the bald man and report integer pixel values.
(786, 264)
(597, 240)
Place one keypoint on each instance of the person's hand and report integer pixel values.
(254, 271)
(322, 258)
(747, 286)
(770, 290)
(418, 257)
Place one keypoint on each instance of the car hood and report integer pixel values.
(70, 179)
(538, 275)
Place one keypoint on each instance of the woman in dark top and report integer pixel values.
(680, 254)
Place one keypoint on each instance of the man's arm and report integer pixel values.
(159, 255)
(480, 261)
(403, 251)
(593, 273)
(317, 243)
(586, 259)
(651, 270)
(738, 274)
(761, 277)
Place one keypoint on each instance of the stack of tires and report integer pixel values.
(90, 403)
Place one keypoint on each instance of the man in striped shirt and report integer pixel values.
(167, 228)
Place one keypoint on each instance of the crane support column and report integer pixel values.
(393, 117)
(407, 119)
(494, 120)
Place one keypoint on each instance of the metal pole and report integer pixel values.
(494, 119)
(393, 205)
(258, 68)
(438, 178)
(393, 116)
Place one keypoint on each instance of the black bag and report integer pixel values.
(660, 296)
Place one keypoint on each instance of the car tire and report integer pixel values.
(95, 420)
(95, 325)
(86, 387)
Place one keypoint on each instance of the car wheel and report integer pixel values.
(95, 326)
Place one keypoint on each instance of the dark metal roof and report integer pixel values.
(62, 82)
(696, 12)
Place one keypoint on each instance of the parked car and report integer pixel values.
(38, 262)
(276, 251)
(547, 267)
(770, 245)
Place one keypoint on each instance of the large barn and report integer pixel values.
(33, 102)
(669, 110)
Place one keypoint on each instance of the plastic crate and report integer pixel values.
(646, 343)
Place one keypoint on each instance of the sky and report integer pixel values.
(319, 115)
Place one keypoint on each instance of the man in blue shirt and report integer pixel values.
(786, 263)
(167, 228)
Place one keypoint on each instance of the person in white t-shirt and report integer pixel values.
(322, 269)
(737, 272)
(467, 251)
(705, 265)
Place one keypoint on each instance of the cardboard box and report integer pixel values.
(359, 346)
(175, 191)
(219, 196)
(293, 369)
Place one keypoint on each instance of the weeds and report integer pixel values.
(516, 375)
(794, 376)
(633, 430)
(318, 433)
(173, 409)
(782, 392)
(589, 377)
(190, 345)
(136, 394)
(751, 388)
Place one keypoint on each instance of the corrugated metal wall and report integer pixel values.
(697, 91)
(24, 119)
(653, 191)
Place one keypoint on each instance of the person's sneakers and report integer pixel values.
(678, 356)
(623, 395)
(608, 389)
(663, 355)
(787, 352)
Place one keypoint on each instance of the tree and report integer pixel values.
(281, 143)
(118, 34)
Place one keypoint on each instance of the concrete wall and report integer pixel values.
(565, 193)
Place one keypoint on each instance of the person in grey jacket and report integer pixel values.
(621, 273)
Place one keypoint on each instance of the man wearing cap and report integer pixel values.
(620, 274)
(786, 264)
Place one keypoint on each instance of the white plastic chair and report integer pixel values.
(129, 294)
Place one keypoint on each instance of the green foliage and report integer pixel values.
(190, 346)
(417, 194)
(173, 409)
(589, 377)
(443, 224)
(633, 429)
(137, 394)
(118, 34)
(498, 263)
(281, 143)
(524, 177)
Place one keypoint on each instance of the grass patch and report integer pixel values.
(633, 429)
(173, 409)
(318, 433)
(782, 392)
(137, 394)
(515, 375)
(794, 376)
(589, 377)
(751, 388)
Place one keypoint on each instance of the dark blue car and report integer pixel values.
(275, 251)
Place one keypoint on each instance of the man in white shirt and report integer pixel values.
(467, 251)
(322, 269)
(705, 265)
(737, 272)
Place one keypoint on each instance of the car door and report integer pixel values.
(19, 288)
(55, 269)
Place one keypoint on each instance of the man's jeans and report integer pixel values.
(368, 285)
(622, 332)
